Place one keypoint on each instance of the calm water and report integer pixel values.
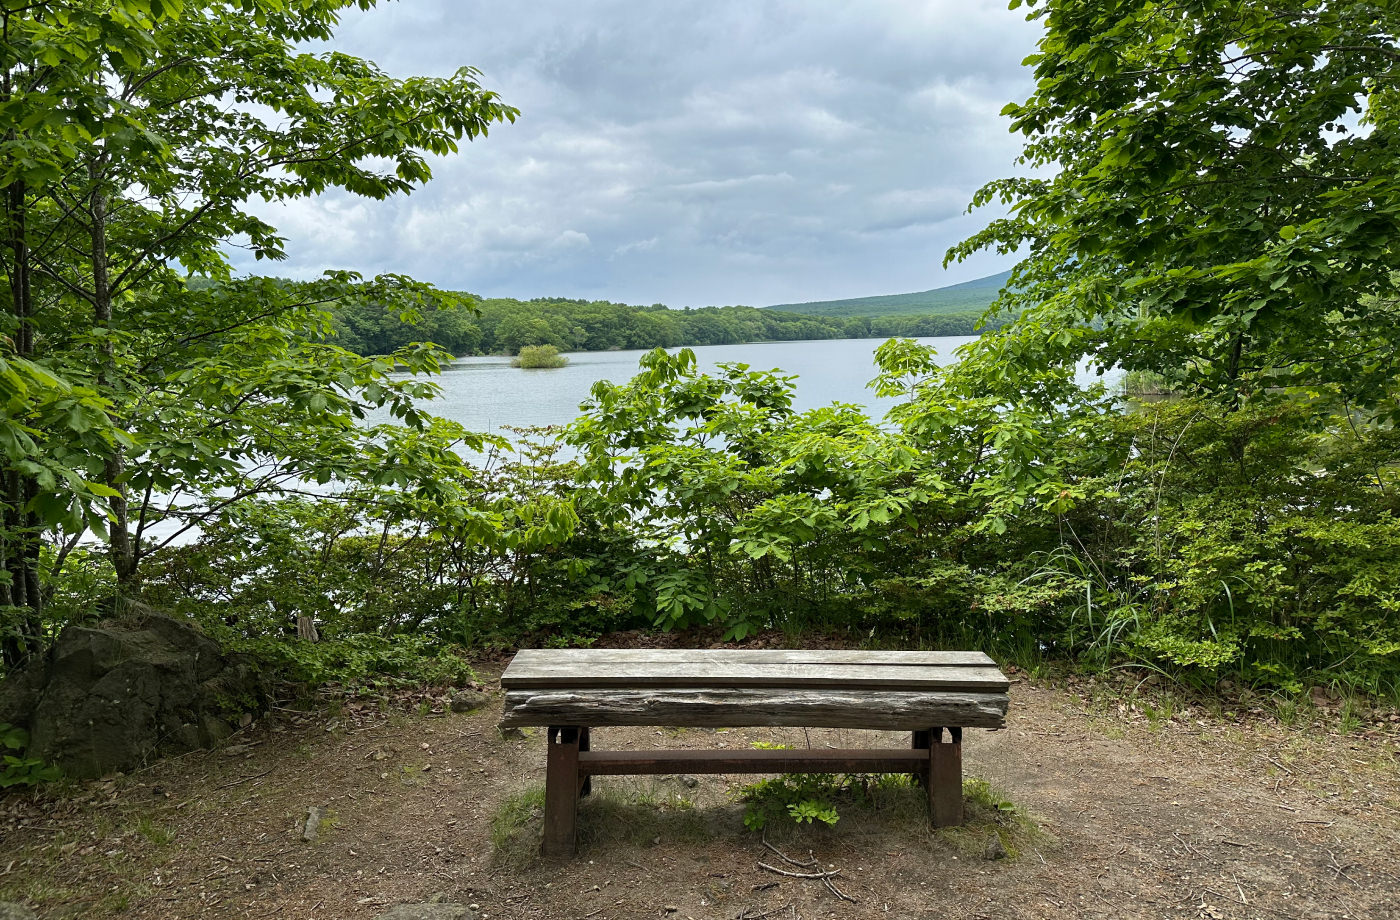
(484, 393)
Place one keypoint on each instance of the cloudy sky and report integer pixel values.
(691, 153)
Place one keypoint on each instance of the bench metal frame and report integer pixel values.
(932, 761)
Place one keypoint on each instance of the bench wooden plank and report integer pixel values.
(649, 763)
(721, 673)
(705, 707)
(585, 657)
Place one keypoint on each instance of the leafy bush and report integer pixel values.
(534, 356)
(755, 515)
(357, 658)
(396, 581)
(1253, 541)
(808, 798)
(16, 769)
(1033, 520)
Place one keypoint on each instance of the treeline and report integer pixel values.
(504, 326)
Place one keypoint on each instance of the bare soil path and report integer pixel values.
(1142, 811)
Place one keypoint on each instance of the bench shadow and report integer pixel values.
(628, 815)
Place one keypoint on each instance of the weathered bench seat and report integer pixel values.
(570, 691)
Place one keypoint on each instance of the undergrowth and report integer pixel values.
(819, 798)
(989, 810)
(638, 813)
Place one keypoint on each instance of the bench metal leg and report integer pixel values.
(945, 801)
(920, 742)
(585, 787)
(561, 788)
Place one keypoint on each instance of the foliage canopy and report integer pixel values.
(1212, 200)
(1223, 202)
(133, 136)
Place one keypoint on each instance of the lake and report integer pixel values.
(484, 392)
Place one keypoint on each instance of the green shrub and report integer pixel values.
(807, 798)
(1199, 539)
(535, 356)
(357, 658)
(16, 769)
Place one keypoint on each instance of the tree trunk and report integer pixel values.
(125, 554)
(1233, 367)
(19, 533)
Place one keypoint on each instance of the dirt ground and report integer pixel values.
(1141, 807)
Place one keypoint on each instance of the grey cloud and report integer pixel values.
(691, 153)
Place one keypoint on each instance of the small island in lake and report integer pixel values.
(538, 356)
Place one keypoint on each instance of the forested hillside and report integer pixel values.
(968, 298)
(504, 326)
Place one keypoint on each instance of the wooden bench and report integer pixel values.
(935, 695)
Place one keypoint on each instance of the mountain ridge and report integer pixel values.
(965, 297)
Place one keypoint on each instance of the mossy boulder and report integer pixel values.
(114, 696)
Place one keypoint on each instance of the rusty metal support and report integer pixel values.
(561, 788)
(945, 801)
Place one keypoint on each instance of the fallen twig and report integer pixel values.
(1188, 846)
(239, 782)
(1341, 870)
(830, 886)
(745, 915)
(1256, 906)
(271, 856)
(799, 874)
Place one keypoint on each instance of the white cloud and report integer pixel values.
(712, 151)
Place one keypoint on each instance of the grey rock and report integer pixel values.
(187, 736)
(467, 701)
(215, 729)
(312, 826)
(110, 698)
(9, 910)
(689, 782)
(439, 911)
(994, 849)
